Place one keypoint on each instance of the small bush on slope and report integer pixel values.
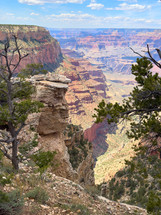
(38, 194)
(139, 183)
(11, 203)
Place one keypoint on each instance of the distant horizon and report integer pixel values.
(141, 28)
(83, 13)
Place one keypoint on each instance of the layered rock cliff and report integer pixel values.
(50, 125)
(37, 42)
(109, 48)
(87, 88)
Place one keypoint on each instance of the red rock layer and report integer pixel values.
(36, 41)
(87, 88)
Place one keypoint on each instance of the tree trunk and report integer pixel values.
(15, 160)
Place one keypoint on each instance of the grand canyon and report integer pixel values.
(108, 50)
(86, 66)
(98, 63)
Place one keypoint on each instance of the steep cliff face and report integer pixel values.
(87, 88)
(36, 41)
(50, 124)
(97, 135)
(80, 153)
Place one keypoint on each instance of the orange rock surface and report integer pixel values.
(87, 88)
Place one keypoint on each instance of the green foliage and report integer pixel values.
(6, 173)
(120, 173)
(28, 147)
(80, 147)
(38, 194)
(32, 69)
(116, 190)
(5, 178)
(74, 159)
(23, 108)
(43, 159)
(139, 182)
(15, 97)
(11, 203)
(154, 203)
(144, 103)
(3, 197)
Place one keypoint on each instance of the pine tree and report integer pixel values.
(143, 106)
(15, 99)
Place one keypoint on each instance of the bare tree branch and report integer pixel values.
(5, 151)
(150, 56)
(141, 110)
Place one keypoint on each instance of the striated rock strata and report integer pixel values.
(37, 42)
(109, 48)
(87, 88)
(50, 124)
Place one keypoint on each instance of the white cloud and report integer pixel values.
(41, 2)
(110, 8)
(129, 1)
(95, 6)
(10, 14)
(34, 14)
(125, 6)
(72, 16)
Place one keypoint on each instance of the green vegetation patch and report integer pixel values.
(139, 183)
(11, 203)
(38, 194)
(79, 148)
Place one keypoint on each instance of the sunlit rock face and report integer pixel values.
(87, 88)
(109, 48)
(50, 124)
(35, 41)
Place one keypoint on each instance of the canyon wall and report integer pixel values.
(109, 48)
(88, 84)
(37, 42)
(87, 88)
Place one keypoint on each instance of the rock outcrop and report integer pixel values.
(37, 42)
(50, 125)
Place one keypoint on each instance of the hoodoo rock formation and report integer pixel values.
(50, 124)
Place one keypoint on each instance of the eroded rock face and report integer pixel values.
(87, 88)
(37, 42)
(109, 48)
(51, 122)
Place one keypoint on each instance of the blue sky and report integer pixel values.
(82, 13)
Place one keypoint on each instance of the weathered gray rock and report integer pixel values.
(51, 122)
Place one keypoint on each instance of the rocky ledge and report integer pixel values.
(50, 125)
